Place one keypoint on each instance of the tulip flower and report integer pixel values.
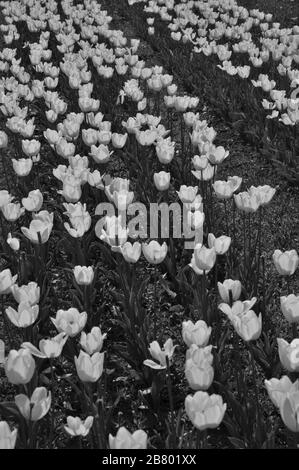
(22, 166)
(19, 366)
(115, 234)
(12, 211)
(48, 348)
(153, 252)
(125, 440)
(289, 354)
(205, 411)
(25, 316)
(40, 228)
(290, 307)
(248, 203)
(37, 406)
(3, 140)
(92, 342)
(289, 411)
(225, 189)
(286, 263)
(84, 275)
(34, 201)
(221, 244)
(31, 147)
(162, 180)
(13, 242)
(278, 389)
(5, 198)
(198, 333)
(131, 252)
(89, 367)
(160, 354)
(187, 194)
(229, 289)
(29, 293)
(203, 259)
(70, 321)
(7, 281)
(7, 437)
(76, 427)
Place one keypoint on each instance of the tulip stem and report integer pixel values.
(253, 367)
(170, 397)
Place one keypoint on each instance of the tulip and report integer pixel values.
(22, 166)
(19, 366)
(218, 155)
(6, 281)
(289, 354)
(153, 252)
(89, 368)
(115, 234)
(48, 348)
(100, 154)
(70, 321)
(160, 354)
(278, 389)
(205, 411)
(31, 147)
(229, 290)
(3, 140)
(7, 437)
(199, 374)
(162, 180)
(5, 198)
(286, 263)
(290, 308)
(198, 333)
(13, 242)
(248, 203)
(125, 440)
(289, 407)
(25, 316)
(203, 259)
(77, 427)
(12, 211)
(221, 244)
(37, 406)
(119, 140)
(225, 189)
(131, 252)
(84, 275)
(29, 293)
(34, 201)
(92, 342)
(187, 194)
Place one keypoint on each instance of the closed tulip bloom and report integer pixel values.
(290, 307)
(7, 280)
(7, 437)
(48, 348)
(37, 406)
(25, 316)
(160, 354)
(119, 140)
(218, 155)
(89, 136)
(229, 285)
(203, 259)
(19, 366)
(3, 140)
(205, 411)
(278, 389)
(34, 201)
(125, 440)
(5, 198)
(225, 189)
(22, 166)
(289, 411)
(13, 242)
(187, 194)
(264, 193)
(131, 252)
(248, 326)
(12, 211)
(199, 374)
(198, 333)
(76, 427)
(70, 321)
(84, 275)
(92, 342)
(165, 150)
(30, 147)
(286, 263)
(162, 180)
(221, 244)
(29, 293)
(153, 252)
(89, 368)
(289, 354)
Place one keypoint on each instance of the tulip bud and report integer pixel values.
(84, 275)
(19, 366)
(205, 411)
(290, 308)
(7, 437)
(162, 180)
(198, 333)
(278, 389)
(131, 252)
(89, 368)
(92, 342)
(289, 411)
(154, 252)
(286, 263)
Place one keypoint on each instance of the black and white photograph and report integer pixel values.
(149, 228)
